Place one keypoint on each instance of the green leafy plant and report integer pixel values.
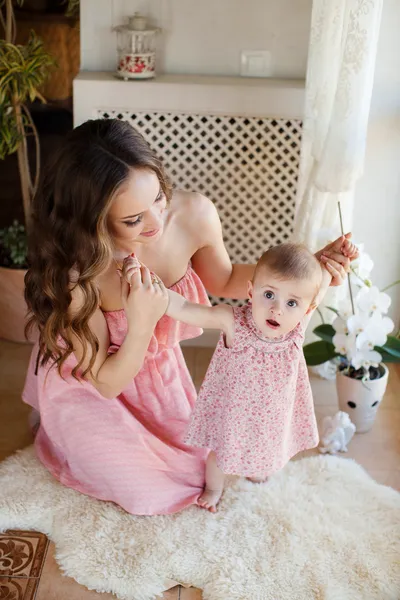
(14, 245)
(23, 70)
(72, 8)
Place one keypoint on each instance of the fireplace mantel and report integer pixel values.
(230, 96)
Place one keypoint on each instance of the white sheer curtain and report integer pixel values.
(342, 50)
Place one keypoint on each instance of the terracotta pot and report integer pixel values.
(361, 399)
(13, 308)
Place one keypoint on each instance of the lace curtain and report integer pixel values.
(342, 50)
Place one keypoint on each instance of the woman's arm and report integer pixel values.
(144, 304)
(180, 309)
(213, 265)
(207, 317)
(211, 261)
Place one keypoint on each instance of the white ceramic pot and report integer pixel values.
(361, 399)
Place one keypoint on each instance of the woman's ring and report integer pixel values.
(155, 280)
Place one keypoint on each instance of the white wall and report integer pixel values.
(203, 36)
(377, 204)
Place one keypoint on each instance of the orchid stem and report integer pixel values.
(390, 285)
(363, 281)
(348, 274)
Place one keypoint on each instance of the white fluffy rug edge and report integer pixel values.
(320, 529)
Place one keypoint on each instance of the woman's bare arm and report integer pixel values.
(144, 304)
(213, 265)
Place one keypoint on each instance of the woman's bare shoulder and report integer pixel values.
(195, 212)
(190, 202)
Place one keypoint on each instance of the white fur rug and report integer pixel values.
(321, 529)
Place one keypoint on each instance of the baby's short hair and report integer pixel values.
(292, 261)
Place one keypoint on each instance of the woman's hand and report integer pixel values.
(339, 254)
(144, 296)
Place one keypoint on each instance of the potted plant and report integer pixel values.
(73, 7)
(357, 344)
(23, 70)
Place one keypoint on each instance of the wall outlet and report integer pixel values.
(256, 63)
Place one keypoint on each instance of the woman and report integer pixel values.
(108, 377)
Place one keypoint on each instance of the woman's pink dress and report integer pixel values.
(255, 407)
(128, 450)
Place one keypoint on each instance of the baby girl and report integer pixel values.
(255, 408)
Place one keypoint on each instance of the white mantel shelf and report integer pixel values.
(236, 96)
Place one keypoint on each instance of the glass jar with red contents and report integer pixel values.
(136, 44)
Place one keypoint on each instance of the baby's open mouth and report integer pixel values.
(273, 324)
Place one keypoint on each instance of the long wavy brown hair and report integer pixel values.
(68, 232)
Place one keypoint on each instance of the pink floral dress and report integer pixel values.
(255, 407)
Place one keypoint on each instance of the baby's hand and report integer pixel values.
(130, 265)
(349, 250)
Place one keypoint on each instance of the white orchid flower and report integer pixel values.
(376, 331)
(357, 282)
(371, 299)
(363, 265)
(356, 324)
(384, 323)
(345, 309)
(366, 358)
(340, 325)
(344, 344)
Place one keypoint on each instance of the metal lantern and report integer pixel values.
(136, 49)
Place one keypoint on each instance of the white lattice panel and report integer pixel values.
(248, 166)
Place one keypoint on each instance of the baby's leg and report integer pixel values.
(214, 485)
(258, 479)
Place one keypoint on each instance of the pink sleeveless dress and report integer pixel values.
(129, 450)
(255, 407)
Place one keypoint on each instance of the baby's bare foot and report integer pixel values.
(209, 499)
(257, 479)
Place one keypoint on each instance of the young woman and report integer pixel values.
(107, 376)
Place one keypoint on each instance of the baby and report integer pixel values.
(255, 408)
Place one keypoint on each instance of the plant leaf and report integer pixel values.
(325, 332)
(386, 357)
(317, 353)
(392, 347)
(23, 69)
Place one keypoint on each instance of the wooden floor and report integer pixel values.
(378, 451)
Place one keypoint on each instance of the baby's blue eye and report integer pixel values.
(268, 295)
(292, 303)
